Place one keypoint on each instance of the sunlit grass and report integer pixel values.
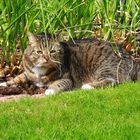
(111, 113)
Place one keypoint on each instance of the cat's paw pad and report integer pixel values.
(50, 92)
(3, 84)
(87, 87)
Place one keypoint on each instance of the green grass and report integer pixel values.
(103, 114)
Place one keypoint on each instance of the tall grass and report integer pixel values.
(73, 18)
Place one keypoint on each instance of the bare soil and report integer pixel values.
(8, 93)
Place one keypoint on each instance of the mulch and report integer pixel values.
(7, 93)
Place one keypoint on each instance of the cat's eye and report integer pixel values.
(53, 51)
(39, 52)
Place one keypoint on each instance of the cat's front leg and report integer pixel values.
(58, 86)
(18, 80)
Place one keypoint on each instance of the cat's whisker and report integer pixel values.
(131, 69)
(60, 70)
(118, 67)
(55, 61)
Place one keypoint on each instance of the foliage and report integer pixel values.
(106, 114)
(77, 18)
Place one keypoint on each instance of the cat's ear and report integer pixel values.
(32, 38)
(62, 36)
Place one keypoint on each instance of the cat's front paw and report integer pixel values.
(87, 87)
(49, 92)
(4, 84)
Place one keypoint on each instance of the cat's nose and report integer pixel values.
(46, 57)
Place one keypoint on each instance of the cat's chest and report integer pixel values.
(39, 71)
(37, 75)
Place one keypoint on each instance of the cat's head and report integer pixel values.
(43, 52)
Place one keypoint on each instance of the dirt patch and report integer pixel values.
(8, 93)
(16, 97)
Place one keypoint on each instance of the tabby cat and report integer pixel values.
(85, 63)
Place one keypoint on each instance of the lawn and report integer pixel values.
(102, 114)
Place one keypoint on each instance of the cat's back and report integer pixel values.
(97, 48)
(90, 46)
(91, 50)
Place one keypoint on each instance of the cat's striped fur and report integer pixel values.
(87, 64)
